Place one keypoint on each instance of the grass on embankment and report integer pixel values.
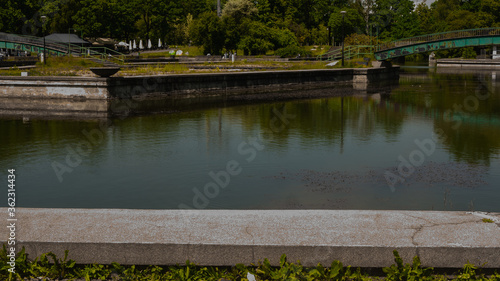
(56, 66)
(243, 65)
(190, 51)
(193, 51)
(72, 66)
(52, 267)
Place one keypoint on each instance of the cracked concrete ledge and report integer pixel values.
(225, 237)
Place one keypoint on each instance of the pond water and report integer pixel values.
(430, 143)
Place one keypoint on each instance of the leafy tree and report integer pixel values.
(440, 12)
(396, 19)
(257, 39)
(60, 14)
(359, 39)
(207, 31)
(264, 11)
(166, 21)
(282, 37)
(462, 19)
(15, 15)
(353, 23)
(239, 9)
(92, 18)
(104, 18)
(195, 7)
(492, 7)
(470, 5)
(424, 15)
(233, 32)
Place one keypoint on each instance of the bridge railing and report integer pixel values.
(102, 53)
(457, 34)
(351, 51)
(97, 52)
(31, 40)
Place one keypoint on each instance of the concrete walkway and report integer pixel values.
(226, 237)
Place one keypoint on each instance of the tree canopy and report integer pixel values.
(254, 26)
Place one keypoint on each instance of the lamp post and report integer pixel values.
(43, 33)
(343, 36)
(69, 40)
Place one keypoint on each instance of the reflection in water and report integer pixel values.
(334, 153)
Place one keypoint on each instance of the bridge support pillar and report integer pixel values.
(382, 63)
(495, 54)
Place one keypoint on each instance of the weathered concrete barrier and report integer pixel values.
(54, 108)
(237, 83)
(469, 63)
(226, 237)
(53, 87)
(256, 85)
(184, 84)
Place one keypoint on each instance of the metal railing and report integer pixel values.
(102, 53)
(34, 41)
(457, 34)
(351, 51)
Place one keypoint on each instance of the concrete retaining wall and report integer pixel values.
(210, 84)
(469, 64)
(186, 85)
(54, 108)
(226, 237)
(72, 92)
(53, 87)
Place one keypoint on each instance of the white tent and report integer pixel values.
(134, 46)
(149, 44)
(141, 47)
(159, 43)
(130, 46)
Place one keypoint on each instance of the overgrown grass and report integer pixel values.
(193, 51)
(71, 66)
(215, 67)
(354, 63)
(190, 51)
(156, 70)
(50, 266)
(56, 66)
(317, 49)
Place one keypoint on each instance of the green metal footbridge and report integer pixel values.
(438, 41)
(33, 44)
(421, 44)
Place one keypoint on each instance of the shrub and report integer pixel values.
(292, 51)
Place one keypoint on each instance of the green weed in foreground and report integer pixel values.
(49, 266)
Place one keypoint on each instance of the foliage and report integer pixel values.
(352, 22)
(94, 272)
(400, 272)
(396, 19)
(256, 41)
(466, 53)
(292, 51)
(49, 266)
(239, 9)
(303, 22)
(359, 39)
(207, 31)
